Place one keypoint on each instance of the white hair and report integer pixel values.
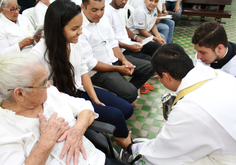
(16, 70)
(4, 3)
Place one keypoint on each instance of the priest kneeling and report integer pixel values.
(200, 129)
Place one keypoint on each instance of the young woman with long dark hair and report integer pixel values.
(61, 54)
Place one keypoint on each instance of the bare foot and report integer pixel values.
(134, 104)
(123, 142)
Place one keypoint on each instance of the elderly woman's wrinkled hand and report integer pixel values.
(52, 129)
(73, 145)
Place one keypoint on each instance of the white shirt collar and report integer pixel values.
(86, 22)
(199, 73)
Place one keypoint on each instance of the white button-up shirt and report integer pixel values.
(76, 60)
(98, 41)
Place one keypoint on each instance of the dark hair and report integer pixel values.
(58, 14)
(86, 2)
(210, 35)
(171, 58)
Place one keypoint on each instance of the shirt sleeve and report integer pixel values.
(113, 41)
(8, 155)
(76, 104)
(112, 36)
(108, 15)
(139, 19)
(12, 149)
(87, 51)
(5, 47)
(83, 66)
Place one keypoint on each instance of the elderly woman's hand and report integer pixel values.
(52, 129)
(73, 144)
(26, 42)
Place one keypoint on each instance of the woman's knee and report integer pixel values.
(127, 110)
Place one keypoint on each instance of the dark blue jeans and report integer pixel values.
(171, 5)
(115, 112)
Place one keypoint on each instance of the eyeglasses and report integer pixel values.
(45, 86)
(13, 10)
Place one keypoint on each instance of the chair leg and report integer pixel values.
(109, 144)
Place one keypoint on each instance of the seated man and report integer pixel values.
(115, 13)
(201, 126)
(213, 48)
(38, 124)
(103, 55)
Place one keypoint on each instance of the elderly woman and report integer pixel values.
(16, 30)
(37, 121)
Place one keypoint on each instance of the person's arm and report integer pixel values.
(133, 36)
(164, 9)
(123, 69)
(74, 136)
(127, 66)
(157, 37)
(177, 6)
(26, 42)
(158, 11)
(158, 20)
(50, 131)
(133, 48)
(91, 62)
(6, 48)
(88, 86)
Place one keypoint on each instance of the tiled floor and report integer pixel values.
(147, 119)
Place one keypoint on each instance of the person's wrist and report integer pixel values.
(129, 148)
(21, 45)
(115, 68)
(135, 37)
(165, 12)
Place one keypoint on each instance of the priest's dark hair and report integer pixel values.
(171, 58)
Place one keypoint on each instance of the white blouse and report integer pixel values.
(19, 135)
(76, 60)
